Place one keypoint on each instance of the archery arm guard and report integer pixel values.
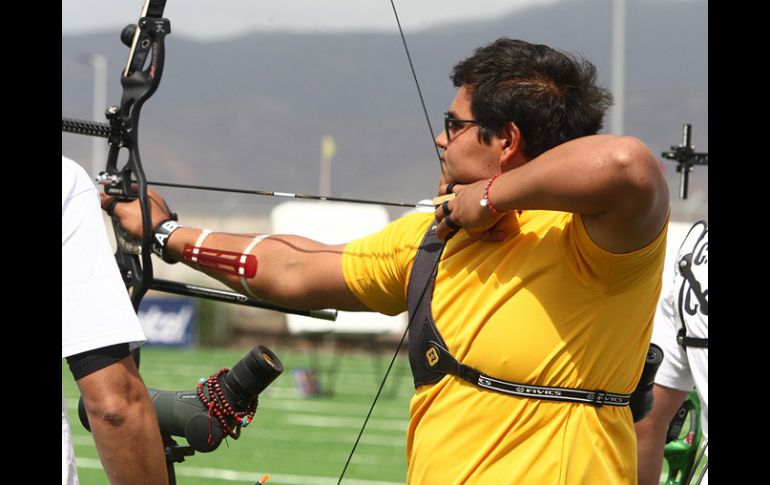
(227, 262)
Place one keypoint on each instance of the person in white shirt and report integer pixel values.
(681, 330)
(99, 330)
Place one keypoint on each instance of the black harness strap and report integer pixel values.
(685, 269)
(447, 364)
(423, 327)
(431, 361)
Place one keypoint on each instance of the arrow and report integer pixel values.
(418, 205)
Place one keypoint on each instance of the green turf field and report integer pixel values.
(302, 441)
(296, 440)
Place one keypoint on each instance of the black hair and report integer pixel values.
(552, 96)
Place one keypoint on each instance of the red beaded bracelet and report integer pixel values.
(485, 202)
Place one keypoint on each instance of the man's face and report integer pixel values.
(465, 158)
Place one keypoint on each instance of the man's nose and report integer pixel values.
(441, 140)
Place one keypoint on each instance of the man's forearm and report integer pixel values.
(291, 270)
(613, 182)
(651, 432)
(588, 175)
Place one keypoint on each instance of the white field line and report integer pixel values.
(274, 434)
(358, 459)
(232, 475)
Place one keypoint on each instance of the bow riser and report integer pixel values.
(129, 182)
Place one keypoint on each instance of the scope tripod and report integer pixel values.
(174, 454)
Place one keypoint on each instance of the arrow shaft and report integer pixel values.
(283, 194)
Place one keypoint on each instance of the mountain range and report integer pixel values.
(250, 111)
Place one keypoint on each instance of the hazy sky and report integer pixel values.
(209, 19)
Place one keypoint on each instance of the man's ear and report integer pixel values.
(512, 154)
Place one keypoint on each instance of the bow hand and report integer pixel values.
(127, 214)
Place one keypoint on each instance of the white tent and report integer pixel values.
(335, 223)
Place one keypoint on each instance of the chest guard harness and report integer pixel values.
(685, 269)
(431, 361)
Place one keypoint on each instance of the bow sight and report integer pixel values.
(686, 158)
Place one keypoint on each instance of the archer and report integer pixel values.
(532, 294)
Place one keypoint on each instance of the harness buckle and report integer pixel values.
(680, 335)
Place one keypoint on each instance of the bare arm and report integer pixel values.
(124, 425)
(651, 432)
(291, 270)
(614, 182)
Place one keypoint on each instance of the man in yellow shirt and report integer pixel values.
(548, 281)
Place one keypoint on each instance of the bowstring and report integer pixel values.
(424, 290)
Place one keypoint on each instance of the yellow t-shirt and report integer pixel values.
(545, 307)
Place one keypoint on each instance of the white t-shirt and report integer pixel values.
(95, 307)
(682, 369)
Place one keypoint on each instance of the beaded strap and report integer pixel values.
(218, 406)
